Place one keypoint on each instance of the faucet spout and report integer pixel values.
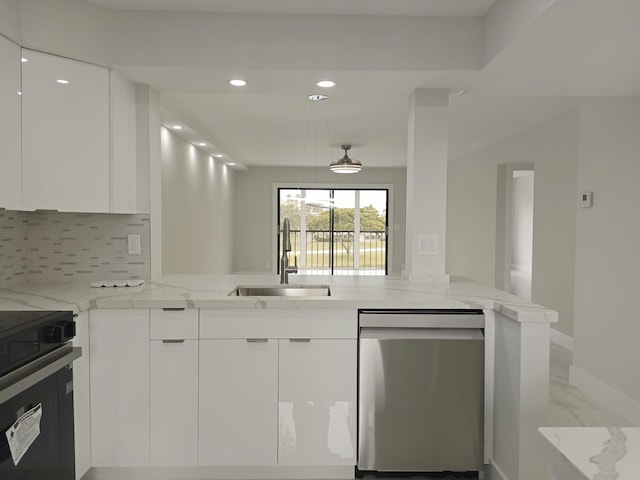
(285, 269)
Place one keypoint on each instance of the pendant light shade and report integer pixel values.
(345, 164)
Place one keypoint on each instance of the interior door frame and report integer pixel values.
(504, 222)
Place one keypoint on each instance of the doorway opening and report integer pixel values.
(514, 229)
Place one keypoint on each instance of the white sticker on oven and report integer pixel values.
(24, 432)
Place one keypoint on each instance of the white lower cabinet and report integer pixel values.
(238, 402)
(317, 402)
(222, 388)
(174, 403)
(119, 344)
(173, 384)
(286, 397)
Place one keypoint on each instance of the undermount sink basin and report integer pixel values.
(281, 291)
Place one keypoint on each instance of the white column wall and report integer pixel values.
(427, 181)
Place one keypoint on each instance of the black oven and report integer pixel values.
(36, 395)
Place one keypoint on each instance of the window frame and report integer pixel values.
(276, 187)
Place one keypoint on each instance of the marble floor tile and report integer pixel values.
(569, 406)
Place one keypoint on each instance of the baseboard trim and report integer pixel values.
(562, 339)
(612, 398)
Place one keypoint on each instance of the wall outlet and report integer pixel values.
(428, 244)
(134, 244)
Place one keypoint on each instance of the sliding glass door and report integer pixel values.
(336, 231)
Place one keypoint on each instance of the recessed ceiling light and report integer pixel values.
(217, 155)
(64, 82)
(231, 164)
(24, 60)
(177, 127)
(237, 82)
(316, 97)
(326, 83)
(202, 144)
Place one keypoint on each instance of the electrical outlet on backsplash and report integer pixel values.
(71, 247)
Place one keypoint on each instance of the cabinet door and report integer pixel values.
(238, 402)
(317, 402)
(119, 343)
(10, 114)
(174, 403)
(65, 134)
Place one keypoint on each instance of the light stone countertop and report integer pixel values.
(211, 291)
(593, 453)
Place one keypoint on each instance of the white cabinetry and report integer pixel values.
(174, 388)
(119, 343)
(316, 402)
(10, 114)
(65, 134)
(238, 401)
(277, 386)
(129, 177)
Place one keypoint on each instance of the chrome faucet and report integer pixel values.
(285, 269)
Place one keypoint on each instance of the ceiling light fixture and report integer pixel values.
(23, 60)
(236, 82)
(217, 155)
(177, 127)
(202, 144)
(346, 164)
(64, 82)
(326, 83)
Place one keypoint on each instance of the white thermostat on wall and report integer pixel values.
(586, 199)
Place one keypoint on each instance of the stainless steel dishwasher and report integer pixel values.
(420, 391)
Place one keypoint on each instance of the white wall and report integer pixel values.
(197, 196)
(607, 329)
(552, 147)
(253, 209)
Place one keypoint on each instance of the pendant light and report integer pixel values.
(346, 164)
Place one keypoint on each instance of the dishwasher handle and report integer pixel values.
(412, 320)
(421, 334)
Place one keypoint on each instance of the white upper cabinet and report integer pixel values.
(10, 159)
(129, 177)
(65, 134)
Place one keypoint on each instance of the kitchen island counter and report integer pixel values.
(211, 291)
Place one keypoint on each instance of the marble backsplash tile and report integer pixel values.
(13, 248)
(71, 247)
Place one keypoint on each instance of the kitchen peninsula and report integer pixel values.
(516, 366)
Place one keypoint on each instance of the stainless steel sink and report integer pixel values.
(281, 291)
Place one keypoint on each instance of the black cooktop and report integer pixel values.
(12, 322)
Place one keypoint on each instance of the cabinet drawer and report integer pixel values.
(268, 323)
(168, 324)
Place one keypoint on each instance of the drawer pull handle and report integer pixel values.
(173, 341)
(173, 309)
(257, 340)
(302, 340)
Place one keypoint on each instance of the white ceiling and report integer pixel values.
(430, 8)
(537, 58)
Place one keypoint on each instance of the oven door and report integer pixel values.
(51, 455)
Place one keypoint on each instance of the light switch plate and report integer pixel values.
(134, 244)
(428, 244)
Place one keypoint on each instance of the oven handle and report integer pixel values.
(17, 381)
